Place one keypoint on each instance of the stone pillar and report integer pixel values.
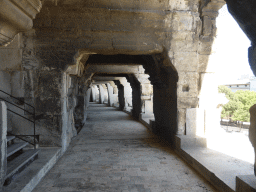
(80, 107)
(87, 95)
(120, 95)
(52, 101)
(105, 93)
(127, 92)
(3, 142)
(110, 94)
(72, 101)
(195, 122)
(252, 131)
(115, 93)
(93, 94)
(102, 94)
(146, 94)
(165, 105)
(136, 96)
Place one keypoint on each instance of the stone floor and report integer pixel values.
(113, 152)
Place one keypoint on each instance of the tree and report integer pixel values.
(239, 104)
(233, 104)
(223, 89)
(247, 99)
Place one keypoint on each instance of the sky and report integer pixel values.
(230, 50)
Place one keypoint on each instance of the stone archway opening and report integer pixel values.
(153, 80)
(226, 61)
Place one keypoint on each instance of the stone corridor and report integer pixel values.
(113, 152)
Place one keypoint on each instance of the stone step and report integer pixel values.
(19, 163)
(9, 138)
(15, 147)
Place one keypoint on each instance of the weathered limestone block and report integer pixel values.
(5, 83)
(18, 83)
(252, 131)
(102, 94)
(195, 122)
(187, 102)
(188, 84)
(203, 63)
(181, 118)
(115, 89)
(3, 142)
(182, 21)
(205, 46)
(11, 55)
(149, 106)
(146, 89)
(16, 17)
(186, 61)
(110, 95)
(184, 46)
(93, 94)
(182, 5)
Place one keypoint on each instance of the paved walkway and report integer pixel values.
(112, 153)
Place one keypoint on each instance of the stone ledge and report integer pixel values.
(219, 169)
(147, 120)
(226, 173)
(246, 183)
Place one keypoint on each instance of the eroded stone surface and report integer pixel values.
(252, 131)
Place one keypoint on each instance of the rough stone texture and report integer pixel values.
(252, 131)
(115, 153)
(3, 142)
(171, 39)
(195, 122)
(102, 94)
(245, 183)
(16, 17)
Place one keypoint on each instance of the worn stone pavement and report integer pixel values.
(113, 152)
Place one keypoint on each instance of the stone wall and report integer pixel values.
(173, 37)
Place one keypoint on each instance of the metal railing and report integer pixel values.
(36, 137)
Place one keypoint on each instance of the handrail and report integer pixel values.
(17, 106)
(17, 99)
(20, 115)
(33, 121)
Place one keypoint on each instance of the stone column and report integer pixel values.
(110, 94)
(165, 104)
(136, 96)
(146, 94)
(102, 94)
(87, 95)
(115, 93)
(3, 142)
(252, 131)
(120, 95)
(105, 93)
(52, 101)
(127, 92)
(80, 109)
(93, 93)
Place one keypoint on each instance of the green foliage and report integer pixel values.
(239, 104)
(223, 89)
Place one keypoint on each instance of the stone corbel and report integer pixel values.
(209, 15)
(16, 16)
